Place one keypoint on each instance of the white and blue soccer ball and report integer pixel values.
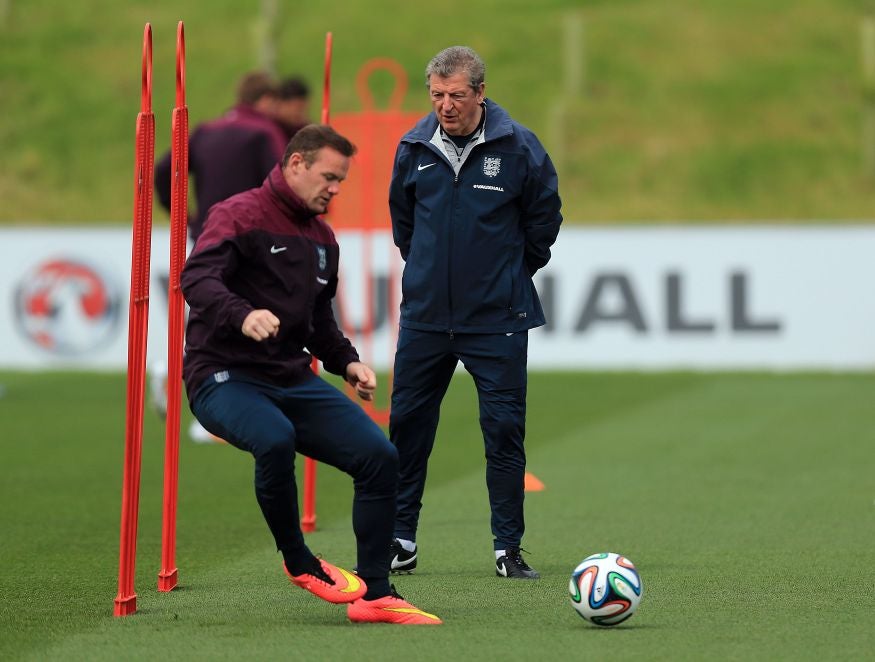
(605, 588)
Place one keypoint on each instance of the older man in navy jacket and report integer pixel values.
(475, 208)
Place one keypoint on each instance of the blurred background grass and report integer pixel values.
(689, 110)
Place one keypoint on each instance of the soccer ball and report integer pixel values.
(605, 589)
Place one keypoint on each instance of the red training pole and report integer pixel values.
(138, 326)
(326, 84)
(168, 575)
(308, 518)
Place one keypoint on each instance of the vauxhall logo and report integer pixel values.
(611, 300)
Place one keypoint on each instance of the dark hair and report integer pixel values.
(314, 137)
(455, 59)
(293, 88)
(253, 86)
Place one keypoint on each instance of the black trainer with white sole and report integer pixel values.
(401, 562)
(513, 565)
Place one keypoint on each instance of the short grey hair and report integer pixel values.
(457, 59)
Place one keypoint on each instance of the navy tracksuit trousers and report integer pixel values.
(424, 364)
(274, 423)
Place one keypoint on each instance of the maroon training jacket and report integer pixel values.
(226, 156)
(263, 249)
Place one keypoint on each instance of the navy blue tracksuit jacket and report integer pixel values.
(472, 242)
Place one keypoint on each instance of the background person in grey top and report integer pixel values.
(475, 208)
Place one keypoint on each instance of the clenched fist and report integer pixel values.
(260, 324)
(362, 379)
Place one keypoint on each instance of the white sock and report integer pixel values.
(499, 553)
(407, 545)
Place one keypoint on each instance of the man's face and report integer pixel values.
(293, 112)
(456, 103)
(317, 183)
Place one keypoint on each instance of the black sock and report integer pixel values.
(301, 563)
(377, 588)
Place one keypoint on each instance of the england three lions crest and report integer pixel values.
(491, 165)
(322, 257)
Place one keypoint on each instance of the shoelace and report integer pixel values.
(319, 573)
(515, 555)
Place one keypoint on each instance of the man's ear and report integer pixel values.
(296, 163)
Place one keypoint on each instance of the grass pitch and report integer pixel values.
(745, 500)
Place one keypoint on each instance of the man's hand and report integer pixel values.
(362, 378)
(260, 324)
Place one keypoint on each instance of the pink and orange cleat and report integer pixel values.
(390, 609)
(347, 587)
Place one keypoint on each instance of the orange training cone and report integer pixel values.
(533, 483)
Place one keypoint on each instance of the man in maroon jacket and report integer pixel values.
(260, 282)
(231, 154)
(227, 155)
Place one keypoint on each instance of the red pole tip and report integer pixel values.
(180, 65)
(146, 98)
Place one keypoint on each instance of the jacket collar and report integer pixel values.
(286, 198)
(498, 124)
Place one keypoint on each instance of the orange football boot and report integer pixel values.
(347, 587)
(389, 609)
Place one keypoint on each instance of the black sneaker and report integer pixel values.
(400, 560)
(512, 565)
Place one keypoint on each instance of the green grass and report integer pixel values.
(688, 110)
(745, 500)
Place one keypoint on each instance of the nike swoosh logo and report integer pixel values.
(423, 167)
(275, 250)
(407, 610)
(502, 569)
(352, 582)
(321, 281)
(397, 563)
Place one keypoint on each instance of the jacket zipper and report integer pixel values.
(450, 254)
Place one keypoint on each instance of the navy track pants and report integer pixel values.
(424, 364)
(315, 419)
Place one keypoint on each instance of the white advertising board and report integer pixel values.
(65, 294)
(638, 298)
(709, 298)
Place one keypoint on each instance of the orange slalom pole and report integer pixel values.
(326, 83)
(308, 517)
(168, 575)
(138, 323)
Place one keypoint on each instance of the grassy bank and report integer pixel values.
(654, 110)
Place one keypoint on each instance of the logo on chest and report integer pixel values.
(321, 257)
(491, 165)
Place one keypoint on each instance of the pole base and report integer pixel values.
(125, 606)
(308, 524)
(167, 580)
